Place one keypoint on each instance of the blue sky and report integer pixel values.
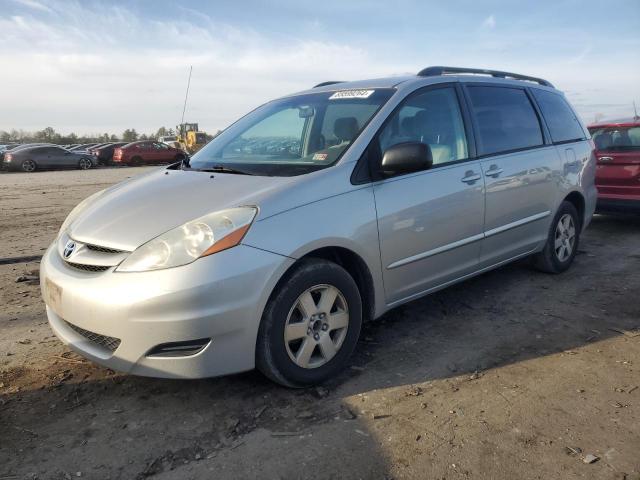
(96, 66)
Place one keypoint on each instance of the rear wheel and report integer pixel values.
(84, 164)
(562, 241)
(310, 326)
(28, 166)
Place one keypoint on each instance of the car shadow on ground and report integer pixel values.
(75, 416)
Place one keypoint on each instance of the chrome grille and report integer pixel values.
(98, 248)
(89, 268)
(110, 343)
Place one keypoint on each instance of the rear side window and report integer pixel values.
(562, 122)
(505, 119)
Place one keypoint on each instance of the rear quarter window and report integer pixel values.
(505, 119)
(562, 122)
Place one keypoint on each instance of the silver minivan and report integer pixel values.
(315, 212)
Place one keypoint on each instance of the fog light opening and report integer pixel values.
(179, 349)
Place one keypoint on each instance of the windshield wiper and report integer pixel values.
(222, 169)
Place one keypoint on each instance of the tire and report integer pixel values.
(565, 230)
(28, 166)
(135, 161)
(323, 341)
(85, 164)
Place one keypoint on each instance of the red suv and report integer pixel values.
(618, 171)
(137, 153)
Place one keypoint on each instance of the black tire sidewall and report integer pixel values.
(272, 357)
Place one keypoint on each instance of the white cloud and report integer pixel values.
(33, 4)
(132, 73)
(489, 22)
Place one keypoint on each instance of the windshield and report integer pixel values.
(616, 139)
(293, 135)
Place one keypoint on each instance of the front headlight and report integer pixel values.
(201, 237)
(78, 210)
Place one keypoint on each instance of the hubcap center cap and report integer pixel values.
(316, 325)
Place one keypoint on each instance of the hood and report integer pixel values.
(133, 212)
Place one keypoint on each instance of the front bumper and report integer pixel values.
(220, 297)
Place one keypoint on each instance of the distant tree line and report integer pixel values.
(49, 135)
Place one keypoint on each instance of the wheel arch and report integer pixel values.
(353, 263)
(577, 200)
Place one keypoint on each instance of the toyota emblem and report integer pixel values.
(69, 248)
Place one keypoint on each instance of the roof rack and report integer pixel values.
(437, 71)
(330, 82)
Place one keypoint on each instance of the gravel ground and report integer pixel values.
(513, 374)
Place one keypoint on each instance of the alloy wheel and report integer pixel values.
(84, 164)
(565, 237)
(316, 326)
(28, 166)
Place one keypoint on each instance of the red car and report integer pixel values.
(137, 153)
(618, 171)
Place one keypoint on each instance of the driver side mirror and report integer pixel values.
(405, 158)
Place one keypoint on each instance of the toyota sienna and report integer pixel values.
(315, 212)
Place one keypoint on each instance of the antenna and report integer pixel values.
(186, 95)
(635, 111)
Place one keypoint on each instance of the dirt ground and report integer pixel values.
(512, 375)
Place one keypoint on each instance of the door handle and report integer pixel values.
(493, 171)
(470, 177)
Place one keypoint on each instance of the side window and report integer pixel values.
(432, 117)
(562, 122)
(505, 118)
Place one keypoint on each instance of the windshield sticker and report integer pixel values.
(320, 156)
(351, 94)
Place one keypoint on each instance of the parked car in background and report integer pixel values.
(90, 150)
(83, 147)
(4, 149)
(137, 153)
(618, 172)
(271, 245)
(168, 139)
(8, 146)
(33, 158)
(104, 154)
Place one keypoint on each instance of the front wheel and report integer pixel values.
(562, 241)
(310, 326)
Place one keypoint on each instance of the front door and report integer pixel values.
(430, 223)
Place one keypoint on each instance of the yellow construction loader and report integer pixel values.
(190, 138)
